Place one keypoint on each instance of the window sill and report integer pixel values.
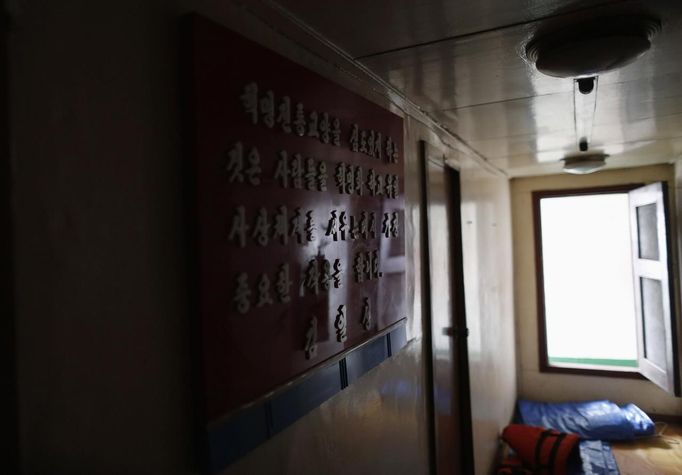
(592, 371)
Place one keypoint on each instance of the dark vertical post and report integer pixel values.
(460, 320)
(426, 303)
(10, 454)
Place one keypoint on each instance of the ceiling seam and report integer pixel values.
(485, 31)
(408, 106)
(503, 101)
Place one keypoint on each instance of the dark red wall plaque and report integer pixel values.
(299, 214)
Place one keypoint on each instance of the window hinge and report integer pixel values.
(455, 332)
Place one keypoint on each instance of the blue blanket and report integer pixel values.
(596, 422)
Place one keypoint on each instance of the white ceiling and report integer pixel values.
(462, 61)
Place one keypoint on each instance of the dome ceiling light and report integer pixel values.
(592, 47)
(584, 163)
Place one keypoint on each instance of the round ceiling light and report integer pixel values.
(592, 47)
(583, 164)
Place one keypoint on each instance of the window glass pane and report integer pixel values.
(647, 229)
(588, 282)
(653, 326)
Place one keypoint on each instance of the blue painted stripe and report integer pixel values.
(398, 339)
(241, 433)
(365, 358)
(297, 401)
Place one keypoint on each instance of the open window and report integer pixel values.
(605, 286)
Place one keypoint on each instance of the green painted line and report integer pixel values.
(594, 361)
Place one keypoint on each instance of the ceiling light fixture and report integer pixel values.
(582, 51)
(584, 163)
(592, 46)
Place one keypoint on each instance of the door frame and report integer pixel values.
(464, 456)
